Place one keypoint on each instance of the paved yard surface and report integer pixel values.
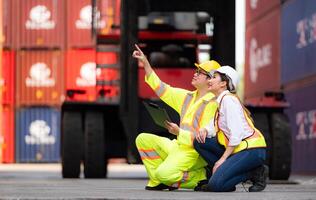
(43, 181)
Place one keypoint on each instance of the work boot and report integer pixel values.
(206, 188)
(259, 179)
(161, 186)
(200, 184)
(208, 171)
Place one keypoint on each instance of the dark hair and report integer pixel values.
(228, 81)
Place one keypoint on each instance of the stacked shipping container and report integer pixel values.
(7, 88)
(262, 47)
(7, 123)
(37, 40)
(85, 64)
(280, 48)
(45, 56)
(298, 77)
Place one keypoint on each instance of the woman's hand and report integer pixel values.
(201, 135)
(218, 164)
(172, 128)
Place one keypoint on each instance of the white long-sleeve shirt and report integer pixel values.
(231, 120)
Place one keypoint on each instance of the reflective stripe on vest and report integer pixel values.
(149, 154)
(161, 89)
(198, 115)
(189, 128)
(195, 124)
(256, 140)
(185, 105)
(186, 127)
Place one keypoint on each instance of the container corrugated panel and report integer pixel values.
(39, 77)
(7, 79)
(302, 115)
(7, 134)
(258, 8)
(38, 134)
(79, 19)
(175, 77)
(81, 74)
(262, 69)
(109, 16)
(7, 23)
(298, 40)
(39, 23)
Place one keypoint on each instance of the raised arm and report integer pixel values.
(140, 56)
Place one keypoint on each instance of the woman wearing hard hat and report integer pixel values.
(238, 151)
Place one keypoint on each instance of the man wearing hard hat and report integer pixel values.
(172, 164)
(238, 152)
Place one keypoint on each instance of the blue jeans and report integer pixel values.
(234, 170)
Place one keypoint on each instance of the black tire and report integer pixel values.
(95, 164)
(281, 147)
(261, 122)
(72, 144)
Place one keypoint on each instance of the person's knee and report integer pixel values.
(140, 139)
(164, 175)
(196, 144)
(216, 184)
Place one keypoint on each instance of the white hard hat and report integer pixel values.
(231, 73)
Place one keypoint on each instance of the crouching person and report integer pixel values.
(238, 151)
(173, 164)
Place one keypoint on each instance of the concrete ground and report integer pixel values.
(43, 181)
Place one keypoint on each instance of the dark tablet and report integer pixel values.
(158, 114)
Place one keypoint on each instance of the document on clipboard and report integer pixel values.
(158, 114)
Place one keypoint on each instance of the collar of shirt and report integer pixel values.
(219, 98)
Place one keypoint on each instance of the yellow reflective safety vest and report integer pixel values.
(193, 114)
(256, 140)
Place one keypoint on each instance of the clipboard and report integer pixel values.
(158, 114)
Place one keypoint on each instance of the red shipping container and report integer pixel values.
(173, 76)
(7, 79)
(258, 8)
(262, 70)
(7, 134)
(40, 23)
(79, 19)
(110, 14)
(7, 23)
(81, 73)
(39, 78)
